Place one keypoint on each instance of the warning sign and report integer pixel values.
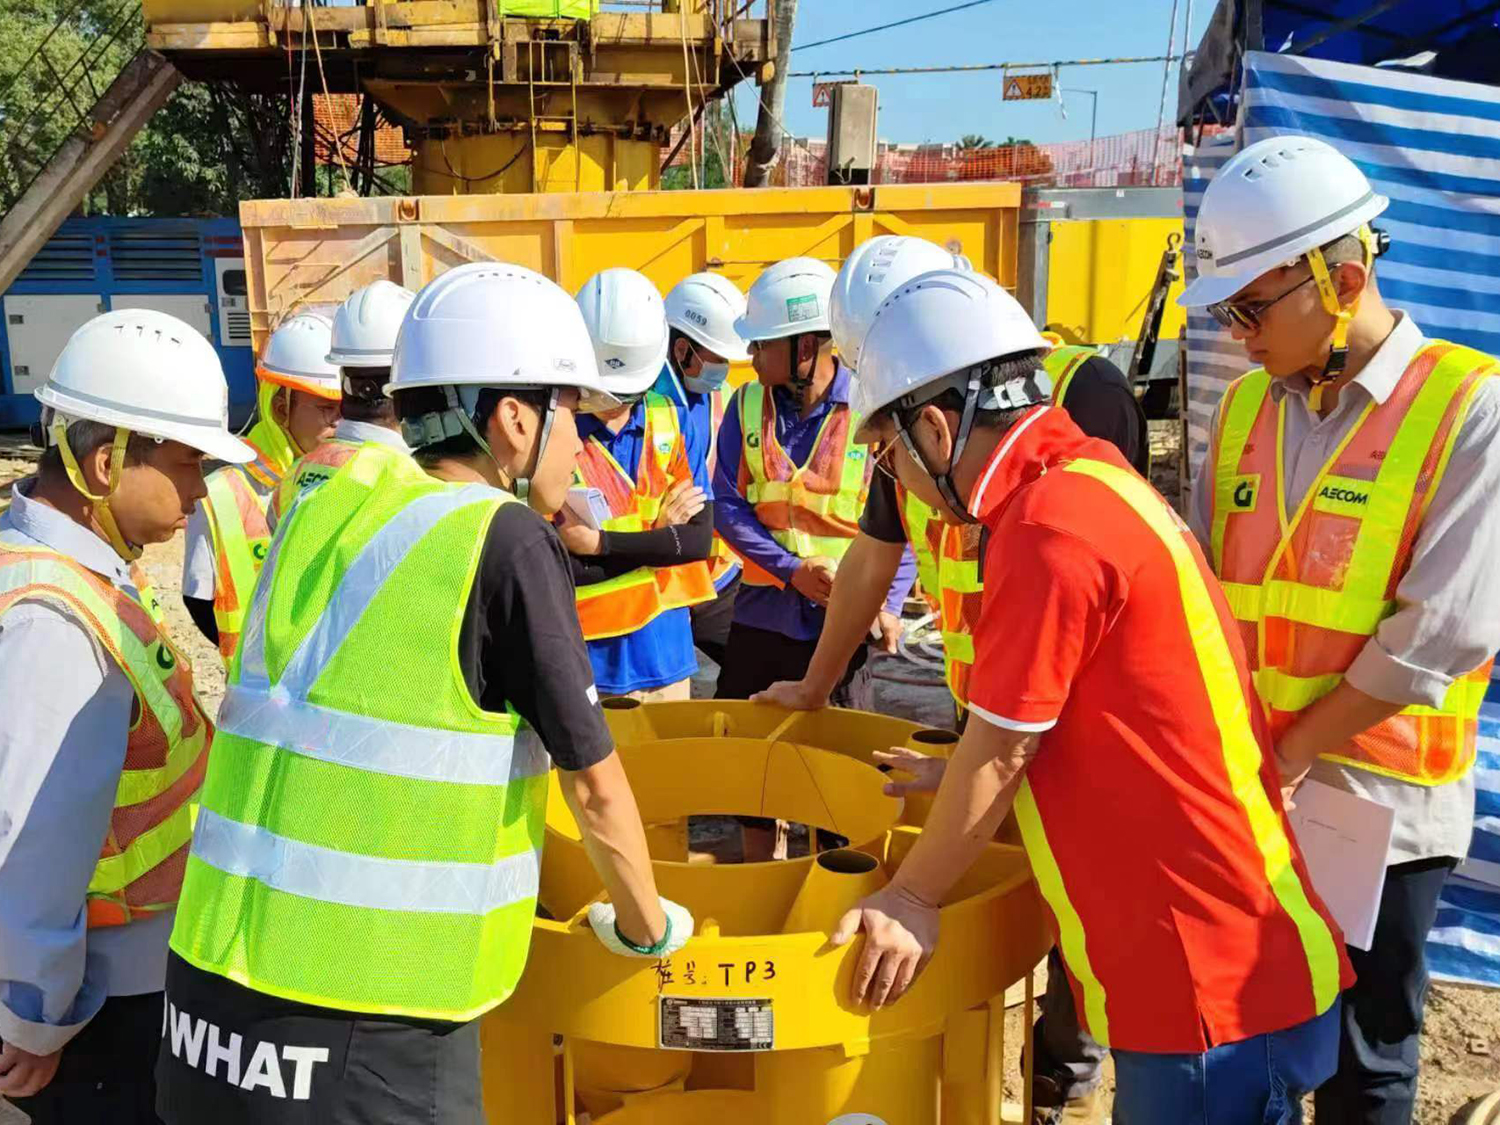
(1027, 87)
(823, 92)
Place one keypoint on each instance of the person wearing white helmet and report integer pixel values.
(789, 485)
(228, 536)
(1348, 503)
(642, 559)
(360, 347)
(364, 874)
(1109, 700)
(102, 742)
(1099, 400)
(701, 344)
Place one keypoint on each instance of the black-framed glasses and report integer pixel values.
(1247, 314)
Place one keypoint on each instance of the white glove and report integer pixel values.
(679, 929)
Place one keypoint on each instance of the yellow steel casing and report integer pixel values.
(1099, 276)
(320, 250)
(932, 1057)
(505, 162)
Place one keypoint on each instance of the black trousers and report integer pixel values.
(1376, 1083)
(754, 659)
(234, 1056)
(711, 621)
(108, 1071)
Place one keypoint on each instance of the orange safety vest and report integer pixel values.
(144, 855)
(241, 537)
(633, 600)
(958, 585)
(810, 509)
(1310, 588)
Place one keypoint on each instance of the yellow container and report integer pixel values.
(321, 250)
(747, 1023)
(1100, 273)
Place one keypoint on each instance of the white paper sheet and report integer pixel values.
(1345, 839)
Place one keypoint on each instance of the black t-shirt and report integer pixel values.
(520, 639)
(1101, 402)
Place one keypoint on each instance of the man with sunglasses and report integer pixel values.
(1347, 505)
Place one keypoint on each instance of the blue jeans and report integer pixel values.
(1257, 1081)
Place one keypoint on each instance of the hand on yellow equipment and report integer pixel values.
(926, 771)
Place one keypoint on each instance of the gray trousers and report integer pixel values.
(1068, 1060)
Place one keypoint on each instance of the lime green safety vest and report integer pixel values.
(1061, 364)
(369, 837)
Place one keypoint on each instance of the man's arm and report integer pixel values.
(1200, 512)
(600, 799)
(734, 517)
(62, 746)
(866, 572)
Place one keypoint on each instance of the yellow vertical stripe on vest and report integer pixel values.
(1236, 420)
(1061, 364)
(1070, 935)
(1242, 754)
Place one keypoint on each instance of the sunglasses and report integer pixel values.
(1248, 314)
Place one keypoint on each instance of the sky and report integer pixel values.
(943, 107)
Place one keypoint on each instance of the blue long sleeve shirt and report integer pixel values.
(783, 610)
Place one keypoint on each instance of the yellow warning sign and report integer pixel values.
(1027, 87)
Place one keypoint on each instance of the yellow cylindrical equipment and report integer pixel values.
(746, 1023)
(505, 162)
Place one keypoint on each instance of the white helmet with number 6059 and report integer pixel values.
(704, 307)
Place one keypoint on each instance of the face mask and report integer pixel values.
(710, 377)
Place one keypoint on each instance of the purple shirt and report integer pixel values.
(782, 611)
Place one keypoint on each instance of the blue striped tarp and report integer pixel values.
(1433, 147)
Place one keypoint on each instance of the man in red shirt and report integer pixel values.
(1115, 714)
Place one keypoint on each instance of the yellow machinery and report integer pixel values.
(493, 95)
(750, 1022)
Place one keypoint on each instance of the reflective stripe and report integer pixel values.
(1243, 599)
(1061, 364)
(233, 548)
(1343, 610)
(961, 576)
(369, 882)
(116, 872)
(366, 574)
(1241, 406)
(1070, 935)
(958, 646)
(380, 745)
(1286, 692)
(1242, 753)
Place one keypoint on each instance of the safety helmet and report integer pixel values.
(365, 325)
(704, 308)
(149, 373)
(938, 325)
(877, 268)
(627, 322)
(296, 356)
(787, 299)
(1269, 205)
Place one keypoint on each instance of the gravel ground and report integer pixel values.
(1461, 1044)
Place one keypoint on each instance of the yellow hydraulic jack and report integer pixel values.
(750, 1023)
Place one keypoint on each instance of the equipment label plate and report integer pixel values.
(688, 1023)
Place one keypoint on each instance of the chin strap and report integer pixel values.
(1338, 356)
(104, 517)
(432, 428)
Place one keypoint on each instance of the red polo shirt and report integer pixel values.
(1151, 811)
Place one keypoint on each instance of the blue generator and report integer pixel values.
(193, 269)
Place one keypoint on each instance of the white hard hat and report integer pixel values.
(365, 325)
(149, 373)
(627, 322)
(932, 327)
(296, 356)
(789, 298)
(704, 307)
(491, 324)
(877, 268)
(1269, 205)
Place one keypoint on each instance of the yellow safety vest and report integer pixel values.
(369, 838)
(1061, 364)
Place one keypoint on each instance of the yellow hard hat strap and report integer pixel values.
(1338, 355)
(102, 514)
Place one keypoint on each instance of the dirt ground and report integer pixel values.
(1461, 1043)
